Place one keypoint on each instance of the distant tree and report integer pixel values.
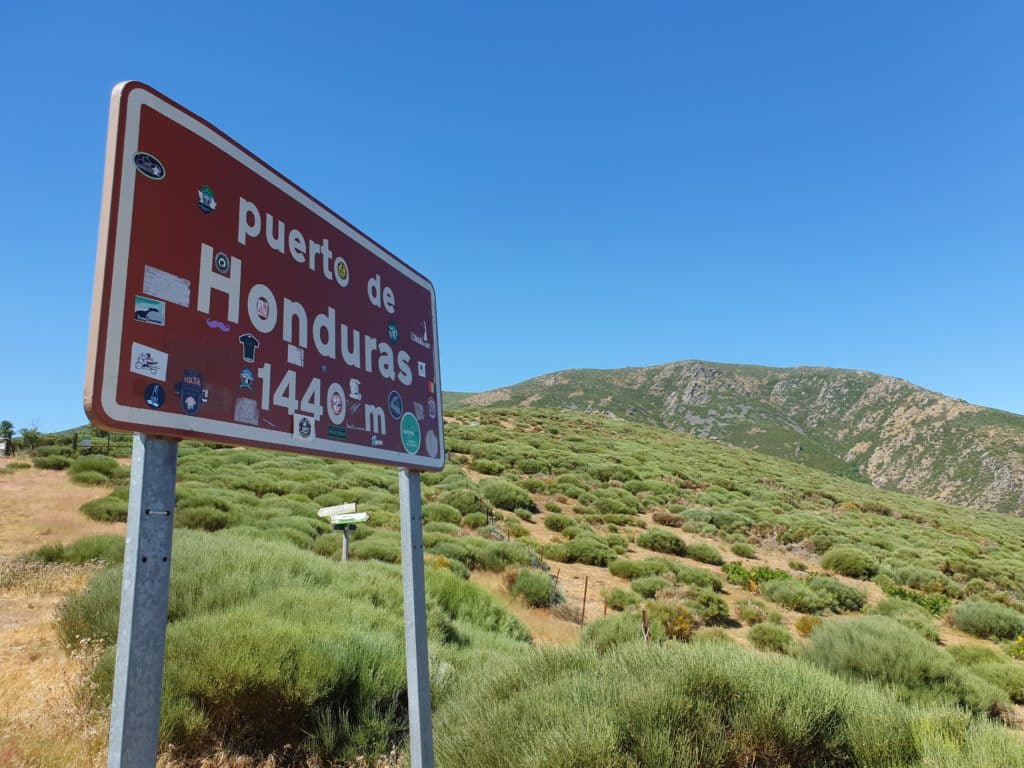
(31, 436)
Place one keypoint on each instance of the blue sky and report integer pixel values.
(588, 185)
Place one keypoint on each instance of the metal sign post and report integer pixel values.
(142, 628)
(421, 730)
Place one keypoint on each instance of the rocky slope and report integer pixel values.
(881, 429)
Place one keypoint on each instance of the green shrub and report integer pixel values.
(698, 577)
(661, 517)
(536, 588)
(506, 495)
(712, 635)
(104, 465)
(107, 548)
(109, 509)
(679, 706)
(441, 513)
(379, 545)
(488, 467)
(620, 599)
(771, 637)
(632, 569)
(909, 615)
(51, 462)
(751, 611)
(743, 549)
(1016, 649)
(879, 649)
(993, 667)
(675, 617)
(986, 619)
(704, 553)
(329, 544)
(844, 598)
(447, 529)
(661, 541)
(556, 551)
(87, 477)
(263, 639)
(762, 574)
(796, 596)
(590, 550)
(618, 629)
(557, 522)
(648, 586)
(202, 518)
(935, 604)
(738, 575)
(523, 514)
(709, 607)
(474, 520)
(466, 501)
(850, 561)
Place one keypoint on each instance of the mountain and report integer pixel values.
(879, 429)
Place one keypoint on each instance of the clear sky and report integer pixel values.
(587, 184)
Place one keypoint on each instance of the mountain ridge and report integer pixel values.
(881, 429)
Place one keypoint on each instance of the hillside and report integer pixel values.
(776, 594)
(862, 425)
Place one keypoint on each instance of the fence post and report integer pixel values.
(583, 613)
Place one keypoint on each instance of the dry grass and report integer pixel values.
(40, 506)
(45, 720)
(546, 628)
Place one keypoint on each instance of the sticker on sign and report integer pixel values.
(282, 325)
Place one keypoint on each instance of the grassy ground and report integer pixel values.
(705, 543)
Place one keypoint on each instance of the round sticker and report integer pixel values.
(149, 166)
(410, 429)
(395, 405)
(432, 445)
(341, 271)
(221, 262)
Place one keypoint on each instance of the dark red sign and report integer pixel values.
(231, 306)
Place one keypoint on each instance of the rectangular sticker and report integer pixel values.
(295, 355)
(303, 428)
(150, 311)
(166, 286)
(147, 361)
(247, 411)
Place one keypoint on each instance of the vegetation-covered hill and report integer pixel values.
(792, 617)
(853, 423)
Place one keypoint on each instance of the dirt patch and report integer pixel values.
(44, 716)
(545, 628)
(41, 506)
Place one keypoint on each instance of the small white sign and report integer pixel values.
(340, 509)
(355, 517)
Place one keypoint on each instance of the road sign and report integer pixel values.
(229, 305)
